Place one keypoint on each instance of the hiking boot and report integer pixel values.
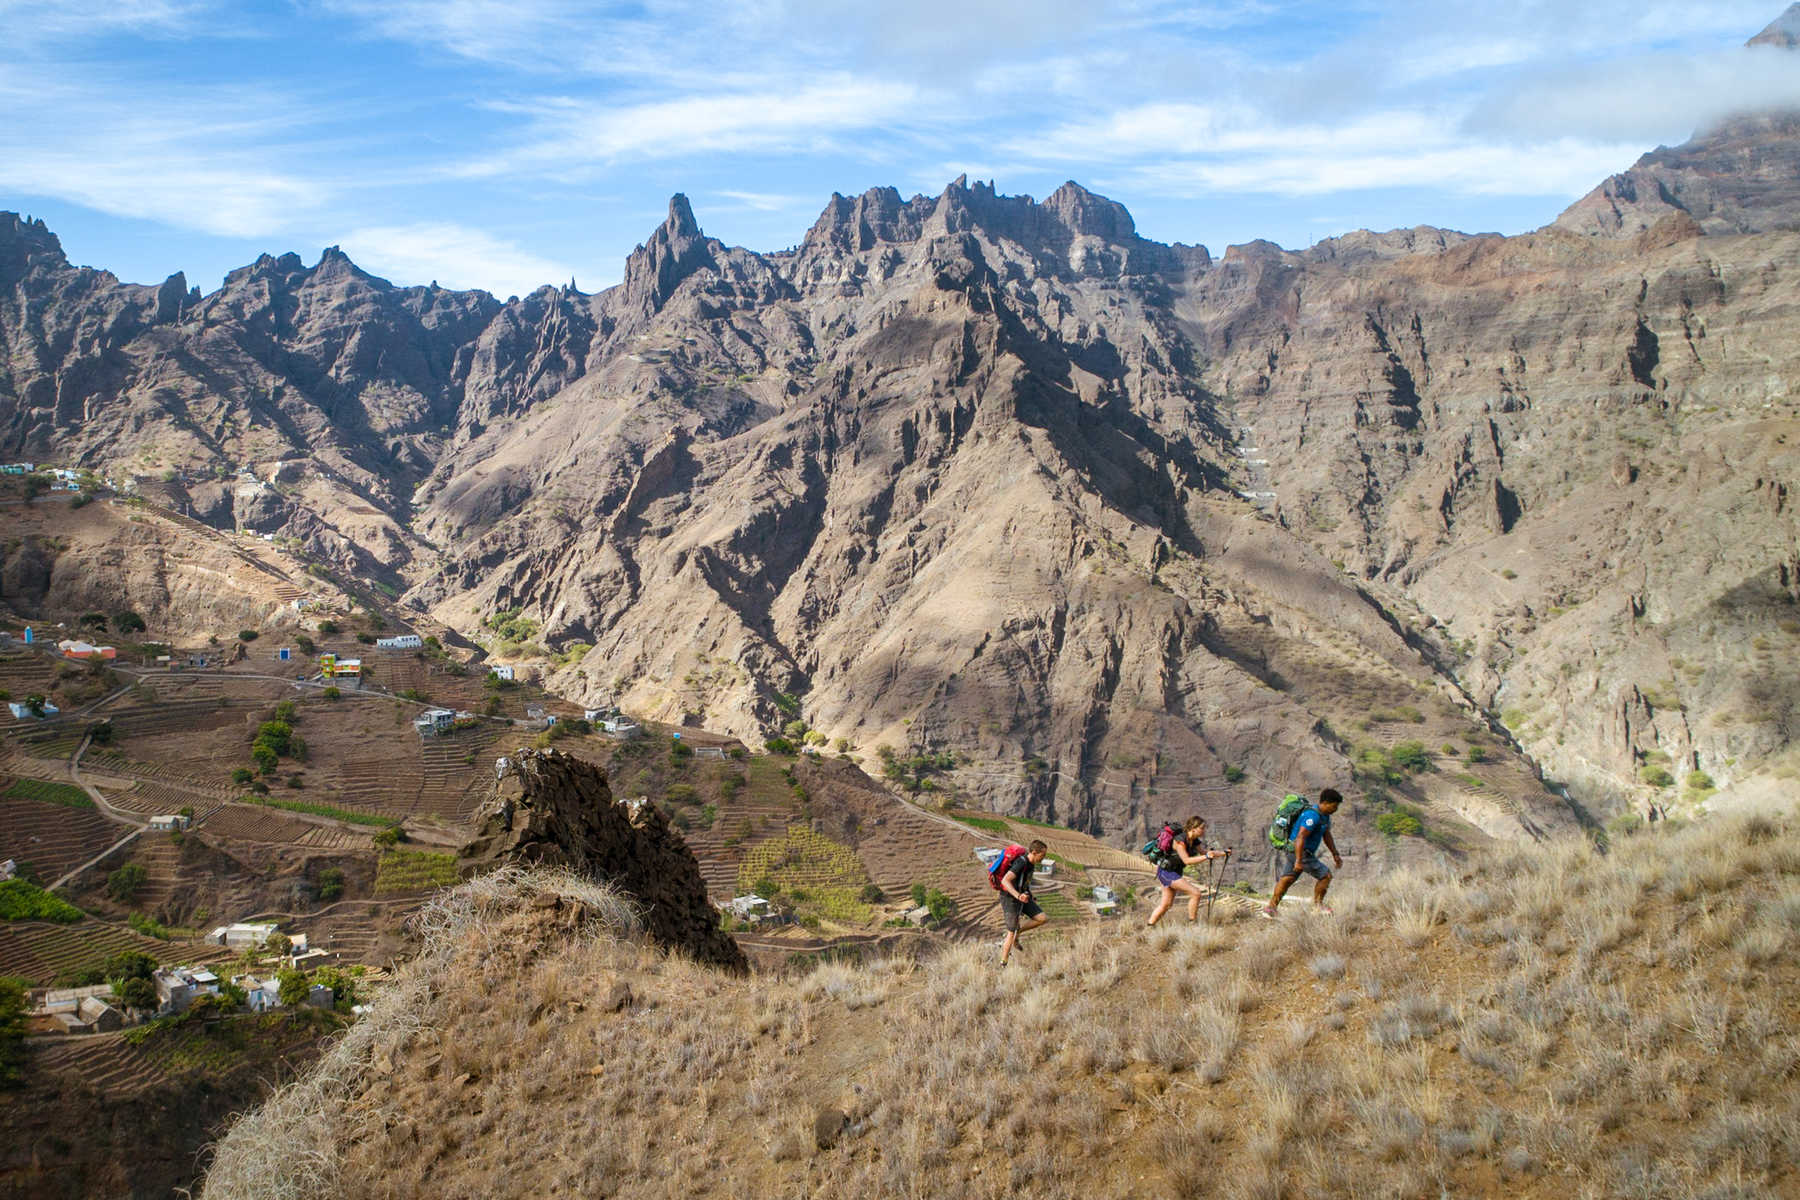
(1322, 910)
(1266, 913)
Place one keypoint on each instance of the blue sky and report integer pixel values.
(508, 143)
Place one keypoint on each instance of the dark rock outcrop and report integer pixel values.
(552, 809)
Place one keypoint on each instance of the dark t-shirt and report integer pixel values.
(1020, 871)
(1172, 860)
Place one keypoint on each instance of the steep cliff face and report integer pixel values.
(996, 477)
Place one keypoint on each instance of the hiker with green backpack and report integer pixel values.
(1173, 852)
(1296, 834)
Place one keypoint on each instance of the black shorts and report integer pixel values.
(1012, 910)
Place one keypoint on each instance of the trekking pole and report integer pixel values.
(1213, 890)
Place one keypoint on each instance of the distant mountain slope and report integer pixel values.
(1108, 521)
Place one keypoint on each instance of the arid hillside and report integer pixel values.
(1115, 525)
(1557, 1021)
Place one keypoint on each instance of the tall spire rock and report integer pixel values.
(675, 251)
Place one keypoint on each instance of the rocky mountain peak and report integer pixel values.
(859, 223)
(1085, 214)
(25, 244)
(335, 264)
(674, 252)
(1783, 31)
(680, 222)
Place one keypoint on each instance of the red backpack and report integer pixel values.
(1003, 864)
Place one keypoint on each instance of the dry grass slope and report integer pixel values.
(1552, 1023)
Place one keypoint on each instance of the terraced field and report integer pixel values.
(52, 838)
(108, 762)
(41, 952)
(413, 870)
(180, 716)
(272, 826)
(160, 856)
(116, 1067)
(160, 799)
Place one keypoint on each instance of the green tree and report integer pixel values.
(93, 620)
(278, 942)
(127, 964)
(331, 883)
(1411, 756)
(136, 994)
(918, 895)
(248, 635)
(291, 986)
(765, 887)
(342, 985)
(123, 884)
(128, 622)
(939, 905)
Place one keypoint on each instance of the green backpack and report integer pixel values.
(1286, 814)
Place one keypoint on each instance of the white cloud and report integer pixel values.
(208, 160)
(768, 201)
(566, 137)
(35, 21)
(1564, 168)
(1643, 99)
(454, 255)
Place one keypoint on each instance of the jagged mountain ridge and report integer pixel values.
(963, 471)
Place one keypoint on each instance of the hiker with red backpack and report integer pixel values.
(1298, 830)
(1175, 852)
(1011, 874)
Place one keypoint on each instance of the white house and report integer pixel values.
(404, 641)
(244, 935)
(178, 987)
(57, 1001)
(505, 673)
(170, 822)
(752, 909)
(22, 713)
(261, 994)
(1105, 900)
(8, 869)
(620, 726)
(434, 721)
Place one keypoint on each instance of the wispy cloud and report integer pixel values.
(455, 255)
(566, 136)
(208, 160)
(32, 22)
(768, 201)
